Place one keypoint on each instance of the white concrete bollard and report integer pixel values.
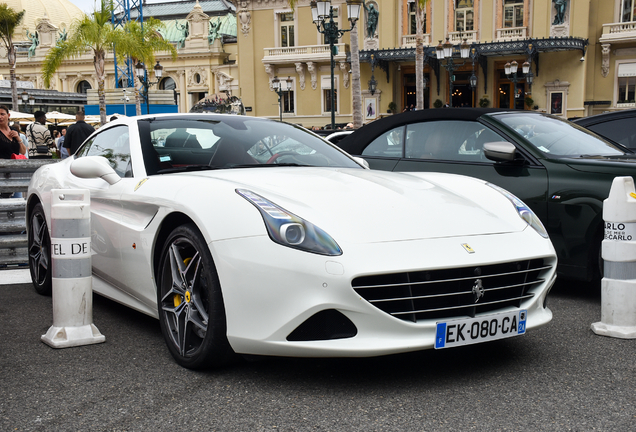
(71, 271)
(618, 287)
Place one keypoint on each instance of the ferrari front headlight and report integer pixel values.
(523, 210)
(287, 229)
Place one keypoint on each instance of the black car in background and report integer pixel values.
(561, 170)
(618, 126)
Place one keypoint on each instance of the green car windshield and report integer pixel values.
(558, 138)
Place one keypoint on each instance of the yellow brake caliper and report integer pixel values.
(177, 299)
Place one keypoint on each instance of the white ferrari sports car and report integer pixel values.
(250, 236)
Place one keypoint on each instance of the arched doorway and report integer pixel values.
(168, 83)
(83, 86)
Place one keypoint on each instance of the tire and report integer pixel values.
(39, 247)
(190, 302)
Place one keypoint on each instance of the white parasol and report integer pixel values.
(20, 117)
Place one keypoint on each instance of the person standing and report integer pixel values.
(10, 141)
(25, 140)
(77, 133)
(40, 139)
(60, 145)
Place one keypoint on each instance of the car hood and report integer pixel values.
(360, 206)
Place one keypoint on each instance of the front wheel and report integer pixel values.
(190, 302)
(39, 246)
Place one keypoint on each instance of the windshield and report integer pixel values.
(223, 142)
(557, 137)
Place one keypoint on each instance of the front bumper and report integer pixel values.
(269, 290)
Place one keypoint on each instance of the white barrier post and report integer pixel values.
(618, 287)
(71, 271)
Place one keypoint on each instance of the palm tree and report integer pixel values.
(96, 33)
(144, 42)
(420, 12)
(9, 21)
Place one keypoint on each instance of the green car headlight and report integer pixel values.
(289, 230)
(523, 210)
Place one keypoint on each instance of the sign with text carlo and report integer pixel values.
(620, 231)
(70, 248)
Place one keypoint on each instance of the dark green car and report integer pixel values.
(562, 171)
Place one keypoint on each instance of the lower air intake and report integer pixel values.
(325, 325)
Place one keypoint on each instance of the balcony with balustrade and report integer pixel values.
(408, 41)
(512, 34)
(312, 53)
(458, 37)
(619, 32)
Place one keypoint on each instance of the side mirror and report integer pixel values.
(500, 151)
(89, 167)
(361, 162)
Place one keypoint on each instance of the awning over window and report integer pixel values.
(627, 69)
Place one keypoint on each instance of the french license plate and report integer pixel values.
(475, 330)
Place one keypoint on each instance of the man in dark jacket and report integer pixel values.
(76, 134)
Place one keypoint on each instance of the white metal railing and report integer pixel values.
(408, 41)
(458, 37)
(513, 33)
(288, 53)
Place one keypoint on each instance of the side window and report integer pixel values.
(389, 144)
(114, 145)
(452, 140)
(621, 131)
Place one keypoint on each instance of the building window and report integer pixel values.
(628, 12)
(167, 84)
(464, 15)
(413, 19)
(626, 82)
(513, 13)
(327, 98)
(287, 30)
(626, 87)
(287, 99)
(82, 86)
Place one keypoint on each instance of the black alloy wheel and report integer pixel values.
(190, 302)
(39, 246)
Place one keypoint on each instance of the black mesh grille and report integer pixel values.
(465, 291)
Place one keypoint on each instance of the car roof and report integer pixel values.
(369, 132)
(601, 118)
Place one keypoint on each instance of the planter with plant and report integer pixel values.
(484, 101)
(392, 108)
(529, 102)
(437, 103)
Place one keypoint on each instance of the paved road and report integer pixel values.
(560, 377)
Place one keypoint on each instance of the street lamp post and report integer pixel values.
(511, 69)
(125, 99)
(322, 14)
(277, 84)
(28, 101)
(142, 74)
(373, 84)
(445, 52)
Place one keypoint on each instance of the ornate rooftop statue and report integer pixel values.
(560, 6)
(372, 20)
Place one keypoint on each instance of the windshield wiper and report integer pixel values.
(186, 169)
(264, 165)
